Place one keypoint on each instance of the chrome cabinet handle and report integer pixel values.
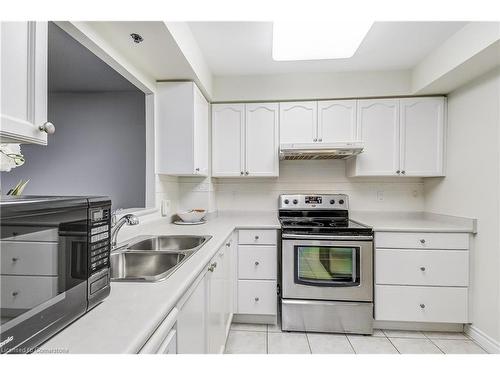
(247, 173)
(15, 259)
(403, 172)
(48, 128)
(256, 238)
(320, 139)
(241, 173)
(197, 169)
(256, 299)
(315, 140)
(228, 244)
(212, 267)
(422, 268)
(15, 294)
(422, 306)
(422, 241)
(257, 263)
(398, 171)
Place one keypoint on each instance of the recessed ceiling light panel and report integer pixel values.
(318, 40)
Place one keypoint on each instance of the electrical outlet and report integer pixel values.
(165, 207)
(380, 196)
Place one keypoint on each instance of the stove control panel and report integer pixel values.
(313, 201)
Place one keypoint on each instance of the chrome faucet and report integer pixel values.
(128, 219)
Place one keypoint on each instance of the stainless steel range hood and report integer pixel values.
(320, 151)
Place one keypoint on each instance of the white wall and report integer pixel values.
(471, 188)
(311, 86)
(315, 176)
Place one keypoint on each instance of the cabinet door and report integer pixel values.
(216, 306)
(298, 122)
(201, 113)
(422, 136)
(191, 322)
(261, 146)
(24, 82)
(228, 140)
(337, 121)
(378, 128)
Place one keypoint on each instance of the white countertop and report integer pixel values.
(123, 322)
(413, 222)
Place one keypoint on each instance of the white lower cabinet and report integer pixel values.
(191, 323)
(421, 304)
(257, 297)
(422, 277)
(206, 310)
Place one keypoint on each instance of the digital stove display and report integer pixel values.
(313, 200)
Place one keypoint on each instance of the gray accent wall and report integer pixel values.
(99, 148)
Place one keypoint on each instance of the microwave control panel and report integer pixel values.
(99, 235)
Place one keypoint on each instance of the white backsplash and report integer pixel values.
(311, 176)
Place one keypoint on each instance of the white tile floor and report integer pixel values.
(262, 339)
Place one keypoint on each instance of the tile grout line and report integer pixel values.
(350, 343)
(308, 343)
(388, 338)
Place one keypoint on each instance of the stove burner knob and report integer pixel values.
(295, 201)
(287, 201)
(341, 201)
(332, 201)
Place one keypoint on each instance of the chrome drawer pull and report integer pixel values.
(422, 241)
(422, 269)
(15, 294)
(256, 238)
(15, 259)
(256, 299)
(422, 306)
(257, 263)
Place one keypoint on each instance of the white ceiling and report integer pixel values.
(244, 48)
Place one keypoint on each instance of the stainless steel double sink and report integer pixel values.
(153, 258)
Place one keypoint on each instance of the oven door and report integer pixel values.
(327, 269)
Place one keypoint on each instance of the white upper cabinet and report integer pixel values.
(227, 140)
(402, 137)
(422, 136)
(245, 140)
(261, 146)
(24, 83)
(298, 122)
(378, 128)
(337, 121)
(182, 131)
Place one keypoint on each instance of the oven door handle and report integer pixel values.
(331, 238)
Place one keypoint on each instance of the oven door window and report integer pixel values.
(327, 265)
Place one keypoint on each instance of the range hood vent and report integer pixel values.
(325, 151)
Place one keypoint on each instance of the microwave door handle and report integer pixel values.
(354, 265)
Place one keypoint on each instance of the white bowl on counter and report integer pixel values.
(192, 216)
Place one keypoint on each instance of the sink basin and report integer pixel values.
(144, 265)
(176, 243)
(152, 258)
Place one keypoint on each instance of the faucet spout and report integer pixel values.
(129, 219)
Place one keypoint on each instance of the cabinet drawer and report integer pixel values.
(257, 262)
(421, 304)
(28, 258)
(257, 297)
(422, 267)
(257, 237)
(422, 240)
(26, 292)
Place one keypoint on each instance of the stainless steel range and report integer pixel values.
(326, 266)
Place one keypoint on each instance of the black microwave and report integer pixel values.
(55, 265)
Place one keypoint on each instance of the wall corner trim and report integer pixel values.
(486, 342)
